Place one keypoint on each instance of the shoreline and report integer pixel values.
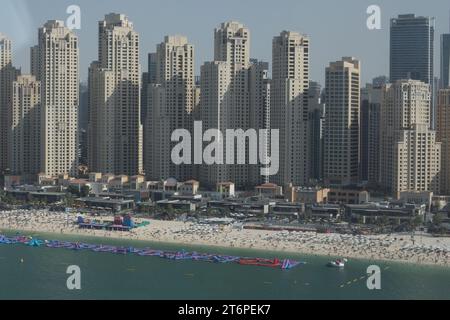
(272, 251)
(424, 250)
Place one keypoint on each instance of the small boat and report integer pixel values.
(338, 263)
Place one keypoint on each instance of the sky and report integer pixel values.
(336, 28)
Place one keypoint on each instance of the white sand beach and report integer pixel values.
(422, 249)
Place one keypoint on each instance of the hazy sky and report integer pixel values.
(336, 28)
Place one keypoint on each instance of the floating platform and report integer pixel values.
(283, 264)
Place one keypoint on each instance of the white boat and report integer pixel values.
(338, 263)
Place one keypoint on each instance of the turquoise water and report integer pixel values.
(40, 273)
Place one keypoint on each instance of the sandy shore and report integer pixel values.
(423, 249)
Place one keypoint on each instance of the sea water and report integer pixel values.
(40, 273)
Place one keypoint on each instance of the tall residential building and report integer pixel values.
(115, 129)
(410, 155)
(341, 133)
(152, 65)
(317, 118)
(148, 77)
(370, 133)
(214, 81)
(260, 115)
(289, 107)
(7, 75)
(224, 101)
(55, 63)
(443, 136)
(445, 60)
(170, 106)
(24, 127)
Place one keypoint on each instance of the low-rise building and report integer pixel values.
(226, 189)
(347, 196)
(270, 190)
(189, 187)
(288, 209)
(391, 213)
(307, 195)
(416, 197)
(177, 204)
(323, 211)
(114, 205)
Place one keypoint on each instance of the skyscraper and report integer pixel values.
(24, 127)
(412, 52)
(341, 133)
(289, 107)
(55, 63)
(410, 155)
(170, 106)
(445, 60)
(443, 136)
(148, 77)
(317, 117)
(214, 81)
(115, 130)
(7, 75)
(412, 48)
(260, 113)
(370, 132)
(225, 100)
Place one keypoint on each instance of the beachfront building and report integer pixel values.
(24, 127)
(391, 213)
(260, 117)
(224, 100)
(443, 136)
(289, 107)
(307, 195)
(7, 75)
(226, 189)
(341, 132)
(269, 190)
(410, 155)
(370, 133)
(169, 107)
(55, 63)
(114, 129)
(347, 196)
(316, 106)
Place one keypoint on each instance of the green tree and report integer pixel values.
(85, 190)
(384, 220)
(437, 219)
(416, 221)
(74, 190)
